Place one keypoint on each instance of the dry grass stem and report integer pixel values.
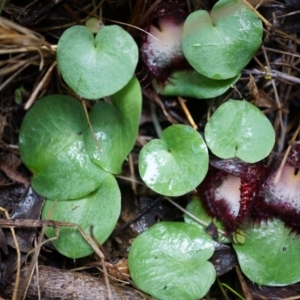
(277, 177)
(39, 87)
(187, 112)
(17, 282)
(192, 216)
(243, 284)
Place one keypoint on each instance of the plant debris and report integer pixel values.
(29, 33)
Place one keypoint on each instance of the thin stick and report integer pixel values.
(292, 298)
(222, 289)
(244, 286)
(192, 216)
(149, 11)
(274, 74)
(139, 215)
(132, 176)
(155, 120)
(36, 268)
(267, 23)
(138, 28)
(282, 52)
(55, 224)
(16, 288)
(277, 177)
(127, 179)
(279, 106)
(9, 69)
(36, 252)
(92, 243)
(187, 112)
(153, 96)
(7, 24)
(100, 254)
(272, 80)
(39, 86)
(15, 74)
(232, 290)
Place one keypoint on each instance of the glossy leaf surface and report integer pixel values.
(98, 211)
(169, 261)
(51, 145)
(115, 126)
(221, 43)
(239, 129)
(270, 254)
(100, 66)
(176, 163)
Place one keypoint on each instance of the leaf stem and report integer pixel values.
(232, 291)
(192, 216)
(155, 120)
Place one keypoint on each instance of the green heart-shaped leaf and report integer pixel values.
(270, 254)
(240, 129)
(169, 261)
(100, 66)
(177, 163)
(98, 211)
(51, 145)
(193, 84)
(220, 44)
(115, 126)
